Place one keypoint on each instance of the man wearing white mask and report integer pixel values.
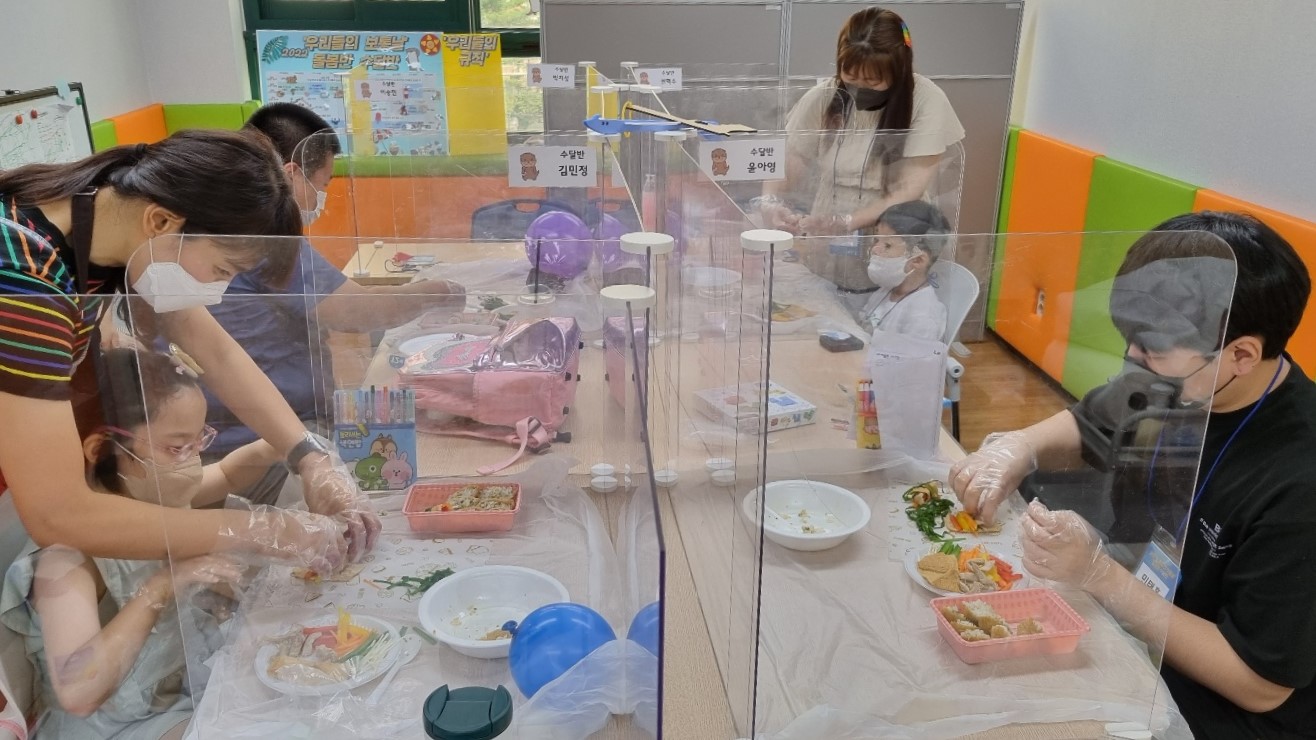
(282, 326)
(910, 238)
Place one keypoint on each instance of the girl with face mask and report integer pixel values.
(895, 127)
(152, 221)
(126, 676)
(910, 238)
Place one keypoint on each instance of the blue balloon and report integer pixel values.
(551, 640)
(644, 628)
(565, 245)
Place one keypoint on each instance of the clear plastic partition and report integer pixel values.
(469, 428)
(707, 367)
(487, 186)
(764, 104)
(898, 600)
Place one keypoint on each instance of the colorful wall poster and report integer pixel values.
(473, 63)
(401, 90)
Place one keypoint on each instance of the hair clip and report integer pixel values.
(183, 363)
(904, 31)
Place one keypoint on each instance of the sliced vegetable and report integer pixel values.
(361, 647)
(927, 508)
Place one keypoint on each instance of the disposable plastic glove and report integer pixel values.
(296, 537)
(827, 224)
(331, 491)
(1061, 546)
(162, 586)
(983, 480)
(773, 213)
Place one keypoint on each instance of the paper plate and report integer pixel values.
(915, 554)
(365, 668)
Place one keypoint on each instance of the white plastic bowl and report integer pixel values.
(808, 515)
(471, 603)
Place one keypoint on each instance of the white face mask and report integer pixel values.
(887, 272)
(166, 286)
(174, 485)
(308, 217)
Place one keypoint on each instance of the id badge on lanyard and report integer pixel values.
(1159, 569)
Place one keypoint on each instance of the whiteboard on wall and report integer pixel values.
(48, 125)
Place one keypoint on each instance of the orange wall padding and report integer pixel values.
(141, 126)
(405, 208)
(1302, 235)
(1049, 194)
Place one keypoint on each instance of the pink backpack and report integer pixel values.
(516, 387)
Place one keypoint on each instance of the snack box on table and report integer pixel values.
(740, 405)
(1061, 624)
(425, 495)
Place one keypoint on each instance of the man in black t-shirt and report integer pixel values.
(1240, 648)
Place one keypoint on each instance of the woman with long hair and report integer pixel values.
(72, 233)
(868, 138)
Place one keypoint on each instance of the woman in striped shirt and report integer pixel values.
(70, 233)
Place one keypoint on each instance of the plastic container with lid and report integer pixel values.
(471, 713)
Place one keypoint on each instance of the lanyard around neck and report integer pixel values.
(1182, 530)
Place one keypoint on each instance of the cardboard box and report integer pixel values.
(741, 406)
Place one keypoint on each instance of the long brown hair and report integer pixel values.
(873, 43)
(219, 182)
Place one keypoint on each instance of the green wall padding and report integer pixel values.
(226, 116)
(103, 135)
(249, 107)
(1002, 220)
(1123, 198)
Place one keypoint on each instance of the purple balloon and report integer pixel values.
(611, 258)
(564, 242)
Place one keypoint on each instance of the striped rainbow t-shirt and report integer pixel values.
(45, 325)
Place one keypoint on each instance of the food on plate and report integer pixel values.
(789, 312)
(927, 508)
(498, 634)
(320, 655)
(492, 303)
(952, 568)
(940, 570)
(349, 572)
(479, 497)
(975, 621)
(963, 521)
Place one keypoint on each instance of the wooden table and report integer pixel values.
(374, 260)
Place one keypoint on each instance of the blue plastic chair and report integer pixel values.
(509, 219)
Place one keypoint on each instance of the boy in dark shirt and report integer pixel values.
(1240, 648)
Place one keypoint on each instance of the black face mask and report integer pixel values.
(866, 99)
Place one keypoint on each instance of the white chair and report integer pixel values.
(957, 288)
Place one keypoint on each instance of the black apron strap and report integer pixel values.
(84, 217)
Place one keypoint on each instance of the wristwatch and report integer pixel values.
(310, 444)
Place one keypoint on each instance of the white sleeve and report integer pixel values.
(934, 125)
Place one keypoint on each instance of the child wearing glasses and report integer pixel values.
(127, 676)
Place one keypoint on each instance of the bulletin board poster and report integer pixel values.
(399, 80)
(473, 63)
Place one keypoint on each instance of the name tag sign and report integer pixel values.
(743, 160)
(552, 166)
(667, 79)
(1158, 571)
(551, 75)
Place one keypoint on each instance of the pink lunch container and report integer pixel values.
(1061, 625)
(426, 495)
